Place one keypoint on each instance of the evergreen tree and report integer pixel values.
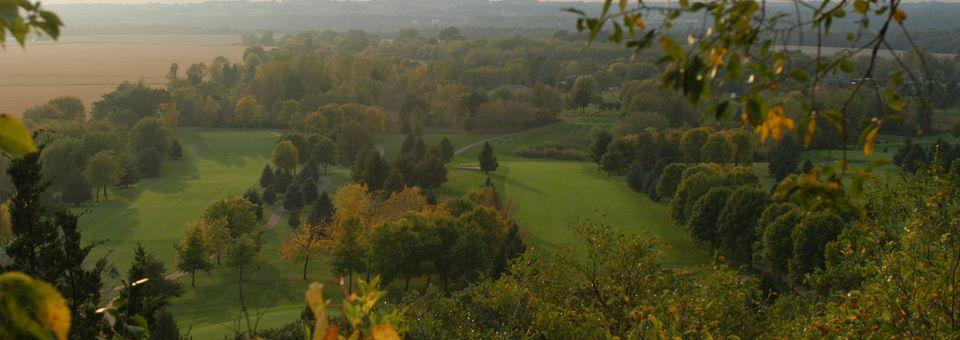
(47, 246)
(269, 195)
(369, 168)
(254, 197)
(807, 166)
(635, 177)
(293, 218)
(447, 150)
(293, 199)
(164, 328)
(599, 140)
(309, 191)
(282, 180)
(430, 172)
(323, 210)
(784, 157)
(176, 150)
(147, 298)
(488, 161)
(266, 178)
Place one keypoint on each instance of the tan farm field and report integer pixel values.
(87, 66)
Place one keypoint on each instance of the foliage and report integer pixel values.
(303, 245)
(737, 222)
(784, 157)
(33, 309)
(564, 150)
(150, 133)
(488, 160)
(706, 213)
(193, 252)
(239, 214)
(149, 163)
(286, 157)
(599, 140)
(669, 179)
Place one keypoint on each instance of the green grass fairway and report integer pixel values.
(549, 196)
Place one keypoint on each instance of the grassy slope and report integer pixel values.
(551, 196)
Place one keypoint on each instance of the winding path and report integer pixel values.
(480, 142)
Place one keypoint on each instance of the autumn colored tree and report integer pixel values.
(286, 157)
(103, 170)
(303, 245)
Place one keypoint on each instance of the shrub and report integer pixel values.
(567, 150)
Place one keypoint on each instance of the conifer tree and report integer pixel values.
(488, 161)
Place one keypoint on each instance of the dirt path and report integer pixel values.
(480, 142)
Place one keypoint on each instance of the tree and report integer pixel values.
(737, 223)
(323, 210)
(449, 33)
(293, 218)
(252, 196)
(693, 185)
(239, 214)
(176, 150)
(488, 160)
(241, 252)
(293, 199)
(165, 327)
(286, 156)
(413, 147)
(309, 191)
(370, 169)
(620, 154)
(147, 298)
(103, 169)
(403, 249)
(585, 91)
(325, 153)
(302, 245)
(348, 253)
(148, 133)
(430, 171)
(266, 177)
(47, 245)
(691, 143)
(635, 177)
(351, 141)
(706, 212)
(131, 172)
(247, 112)
(776, 242)
(670, 179)
(784, 158)
(149, 163)
(743, 146)
(447, 150)
(810, 238)
(599, 140)
(717, 149)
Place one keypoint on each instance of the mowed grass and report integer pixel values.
(550, 197)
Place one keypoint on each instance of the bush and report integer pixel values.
(567, 151)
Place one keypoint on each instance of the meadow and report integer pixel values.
(87, 66)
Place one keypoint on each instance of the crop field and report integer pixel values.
(97, 63)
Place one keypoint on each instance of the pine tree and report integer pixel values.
(323, 210)
(447, 150)
(430, 172)
(147, 298)
(635, 177)
(47, 246)
(293, 218)
(269, 195)
(309, 191)
(293, 199)
(176, 150)
(266, 178)
(254, 197)
(488, 161)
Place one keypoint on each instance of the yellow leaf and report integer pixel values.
(811, 128)
(868, 142)
(638, 21)
(319, 308)
(623, 6)
(775, 124)
(15, 138)
(778, 66)
(50, 308)
(900, 16)
(385, 332)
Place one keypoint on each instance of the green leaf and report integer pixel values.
(15, 138)
(800, 76)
